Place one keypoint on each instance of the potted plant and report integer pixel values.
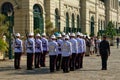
(111, 32)
(50, 29)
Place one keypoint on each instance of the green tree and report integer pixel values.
(3, 25)
(37, 31)
(3, 30)
(49, 28)
(110, 30)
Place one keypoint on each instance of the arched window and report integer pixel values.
(8, 7)
(101, 25)
(116, 25)
(57, 18)
(38, 18)
(67, 19)
(92, 26)
(102, 0)
(67, 22)
(98, 24)
(104, 25)
(73, 23)
(78, 24)
(78, 21)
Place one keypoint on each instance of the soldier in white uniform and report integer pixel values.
(98, 45)
(63, 35)
(80, 50)
(59, 57)
(66, 49)
(53, 46)
(74, 51)
(68, 34)
(30, 50)
(63, 38)
(18, 50)
(83, 51)
(38, 51)
(45, 49)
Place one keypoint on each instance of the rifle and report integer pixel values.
(13, 34)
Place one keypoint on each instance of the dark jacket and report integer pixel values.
(104, 47)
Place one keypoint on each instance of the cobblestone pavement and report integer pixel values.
(91, 71)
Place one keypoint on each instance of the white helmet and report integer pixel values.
(81, 34)
(53, 37)
(89, 37)
(66, 37)
(78, 33)
(69, 34)
(18, 34)
(63, 33)
(31, 34)
(84, 36)
(72, 34)
(59, 35)
(38, 34)
(44, 34)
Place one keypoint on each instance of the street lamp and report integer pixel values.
(9, 13)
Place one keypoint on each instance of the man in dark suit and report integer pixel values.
(104, 52)
(117, 41)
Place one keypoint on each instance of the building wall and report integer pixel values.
(71, 8)
(63, 6)
(101, 16)
(23, 14)
(103, 12)
(111, 11)
(119, 18)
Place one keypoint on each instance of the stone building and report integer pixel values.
(27, 15)
(86, 16)
(95, 14)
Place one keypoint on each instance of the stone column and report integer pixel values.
(44, 21)
(108, 8)
(18, 28)
(30, 21)
(111, 2)
(114, 4)
(96, 18)
(62, 15)
(87, 23)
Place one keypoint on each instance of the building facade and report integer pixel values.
(86, 16)
(95, 15)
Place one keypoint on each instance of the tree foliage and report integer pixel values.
(3, 25)
(37, 31)
(50, 29)
(3, 45)
(3, 30)
(110, 30)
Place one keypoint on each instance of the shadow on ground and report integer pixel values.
(8, 68)
(92, 70)
(44, 70)
(24, 71)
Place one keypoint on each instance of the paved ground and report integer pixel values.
(91, 71)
